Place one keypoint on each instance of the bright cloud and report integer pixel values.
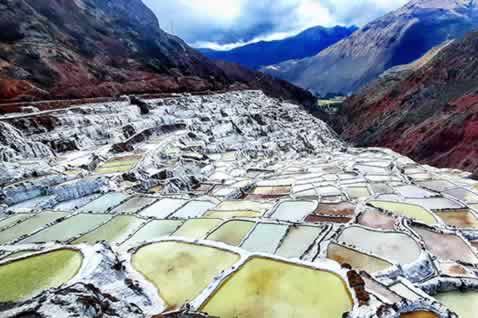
(231, 23)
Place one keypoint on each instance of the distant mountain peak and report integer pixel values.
(399, 37)
(307, 43)
(443, 4)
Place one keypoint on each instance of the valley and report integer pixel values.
(399, 37)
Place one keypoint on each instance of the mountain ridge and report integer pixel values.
(95, 48)
(429, 112)
(263, 53)
(399, 37)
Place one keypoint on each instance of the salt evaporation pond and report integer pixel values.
(232, 232)
(153, 231)
(395, 246)
(24, 278)
(407, 210)
(180, 271)
(273, 289)
(69, 229)
(115, 231)
(464, 304)
(238, 204)
(30, 225)
(265, 238)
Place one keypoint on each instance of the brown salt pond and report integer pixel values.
(474, 244)
(456, 270)
(327, 219)
(377, 220)
(356, 259)
(447, 246)
(462, 219)
(337, 209)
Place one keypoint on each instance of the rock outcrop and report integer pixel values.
(13, 145)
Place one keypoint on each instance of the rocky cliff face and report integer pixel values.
(428, 111)
(88, 48)
(397, 38)
(13, 145)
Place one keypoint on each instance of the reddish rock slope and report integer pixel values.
(428, 111)
(88, 48)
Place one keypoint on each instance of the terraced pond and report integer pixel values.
(464, 304)
(14, 219)
(115, 231)
(407, 210)
(181, 271)
(153, 231)
(265, 238)
(30, 225)
(27, 277)
(69, 229)
(395, 246)
(118, 165)
(232, 232)
(104, 203)
(237, 204)
(273, 289)
(356, 259)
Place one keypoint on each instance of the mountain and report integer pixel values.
(307, 43)
(88, 48)
(427, 110)
(397, 38)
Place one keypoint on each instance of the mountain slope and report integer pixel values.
(307, 43)
(397, 38)
(428, 110)
(88, 48)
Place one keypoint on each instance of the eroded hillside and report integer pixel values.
(428, 111)
(96, 48)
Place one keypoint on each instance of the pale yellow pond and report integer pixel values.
(407, 210)
(180, 271)
(272, 289)
(232, 232)
(464, 304)
(232, 214)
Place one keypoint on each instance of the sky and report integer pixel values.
(225, 24)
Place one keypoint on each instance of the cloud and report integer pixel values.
(230, 23)
(229, 46)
